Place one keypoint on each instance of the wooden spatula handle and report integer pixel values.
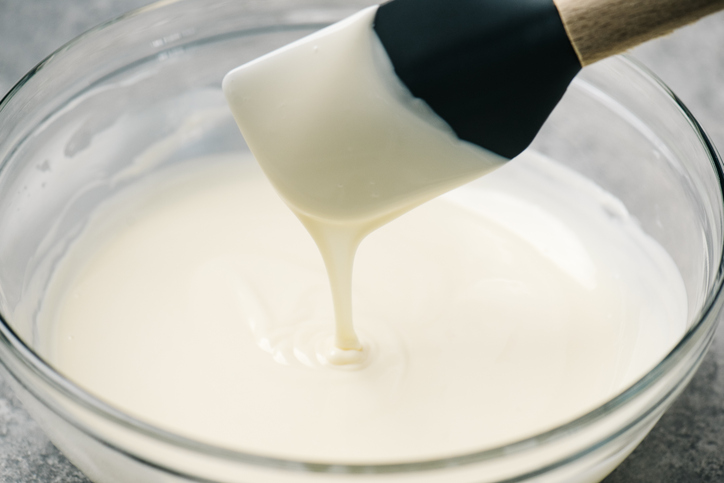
(601, 28)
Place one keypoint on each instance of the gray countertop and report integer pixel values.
(687, 446)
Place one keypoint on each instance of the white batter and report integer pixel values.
(346, 144)
(198, 302)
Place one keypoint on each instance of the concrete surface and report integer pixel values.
(687, 446)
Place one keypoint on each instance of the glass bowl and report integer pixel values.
(155, 74)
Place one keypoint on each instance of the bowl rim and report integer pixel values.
(705, 319)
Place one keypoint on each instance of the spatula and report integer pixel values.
(495, 69)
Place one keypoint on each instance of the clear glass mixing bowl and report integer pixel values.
(154, 75)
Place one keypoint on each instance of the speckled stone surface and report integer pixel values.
(687, 446)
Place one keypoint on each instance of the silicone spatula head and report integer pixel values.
(492, 69)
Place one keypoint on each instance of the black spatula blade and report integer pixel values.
(492, 69)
